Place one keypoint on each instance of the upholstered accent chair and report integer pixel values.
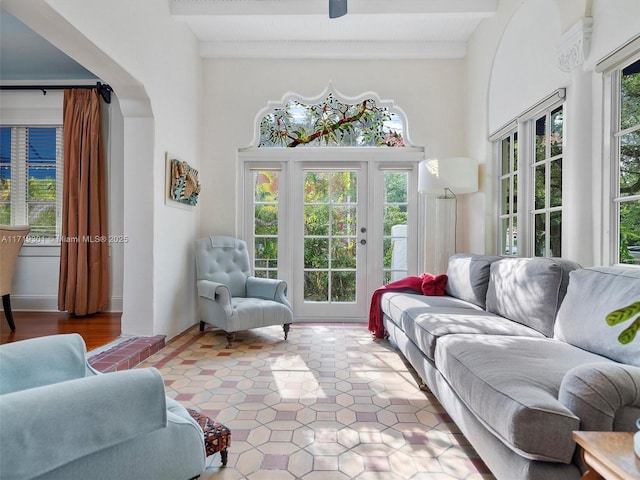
(229, 296)
(62, 419)
(11, 240)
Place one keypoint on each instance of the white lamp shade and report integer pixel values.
(458, 174)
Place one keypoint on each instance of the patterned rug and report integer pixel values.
(329, 403)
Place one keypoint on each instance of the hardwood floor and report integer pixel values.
(97, 330)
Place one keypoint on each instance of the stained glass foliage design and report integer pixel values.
(331, 123)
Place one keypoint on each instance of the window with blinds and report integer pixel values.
(31, 161)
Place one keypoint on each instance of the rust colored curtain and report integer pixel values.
(84, 276)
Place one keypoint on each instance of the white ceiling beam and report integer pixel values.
(351, 50)
(476, 8)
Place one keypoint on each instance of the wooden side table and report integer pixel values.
(608, 455)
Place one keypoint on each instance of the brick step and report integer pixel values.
(126, 353)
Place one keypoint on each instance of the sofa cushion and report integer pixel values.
(529, 290)
(594, 293)
(468, 277)
(398, 305)
(426, 319)
(511, 385)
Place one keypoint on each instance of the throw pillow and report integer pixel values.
(434, 285)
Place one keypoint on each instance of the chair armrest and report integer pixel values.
(604, 396)
(42, 361)
(213, 290)
(46, 427)
(217, 292)
(268, 288)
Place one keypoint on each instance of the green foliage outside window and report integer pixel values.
(630, 164)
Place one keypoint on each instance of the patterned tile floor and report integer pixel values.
(329, 403)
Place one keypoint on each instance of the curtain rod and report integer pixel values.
(103, 89)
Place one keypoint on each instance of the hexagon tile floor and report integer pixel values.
(329, 403)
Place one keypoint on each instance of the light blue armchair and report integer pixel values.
(229, 297)
(60, 419)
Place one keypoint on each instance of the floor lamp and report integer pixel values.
(445, 179)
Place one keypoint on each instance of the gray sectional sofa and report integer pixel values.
(519, 354)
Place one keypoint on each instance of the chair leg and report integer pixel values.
(286, 328)
(202, 324)
(224, 455)
(230, 337)
(6, 304)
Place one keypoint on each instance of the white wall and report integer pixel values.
(430, 92)
(154, 67)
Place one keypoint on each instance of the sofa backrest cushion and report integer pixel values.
(593, 294)
(468, 277)
(529, 290)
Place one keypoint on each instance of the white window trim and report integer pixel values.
(525, 124)
(611, 68)
(32, 109)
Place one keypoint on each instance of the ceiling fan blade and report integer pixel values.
(337, 8)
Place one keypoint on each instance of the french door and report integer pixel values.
(330, 240)
(334, 223)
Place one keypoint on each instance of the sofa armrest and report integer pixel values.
(46, 427)
(268, 288)
(605, 396)
(42, 361)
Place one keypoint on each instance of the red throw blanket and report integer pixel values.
(426, 284)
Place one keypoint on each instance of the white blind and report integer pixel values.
(36, 179)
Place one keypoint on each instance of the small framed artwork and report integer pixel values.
(183, 186)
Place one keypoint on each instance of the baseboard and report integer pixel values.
(49, 303)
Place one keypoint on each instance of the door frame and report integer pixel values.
(376, 161)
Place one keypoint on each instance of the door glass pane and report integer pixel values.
(265, 223)
(343, 220)
(344, 187)
(316, 286)
(316, 187)
(343, 253)
(395, 226)
(316, 253)
(316, 220)
(330, 228)
(343, 286)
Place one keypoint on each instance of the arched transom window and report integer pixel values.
(332, 122)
